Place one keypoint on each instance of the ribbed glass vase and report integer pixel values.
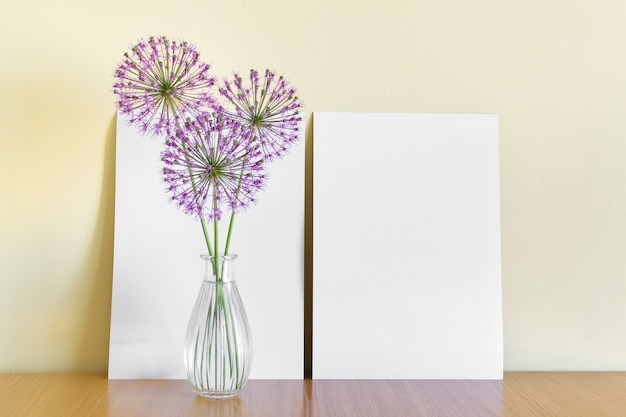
(218, 345)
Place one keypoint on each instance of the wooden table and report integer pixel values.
(519, 394)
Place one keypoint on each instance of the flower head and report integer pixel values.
(211, 165)
(268, 107)
(159, 82)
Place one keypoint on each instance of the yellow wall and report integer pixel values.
(555, 72)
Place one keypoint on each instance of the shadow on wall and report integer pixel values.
(308, 249)
(93, 347)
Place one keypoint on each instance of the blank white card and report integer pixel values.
(157, 268)
(406, 278)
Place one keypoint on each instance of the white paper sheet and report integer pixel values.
(406, 278)
(158, 270)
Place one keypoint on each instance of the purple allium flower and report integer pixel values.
(268, 107)
(159, 81)
(211, 165)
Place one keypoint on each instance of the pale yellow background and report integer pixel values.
(554, 71)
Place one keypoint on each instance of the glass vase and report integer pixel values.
(218, 345)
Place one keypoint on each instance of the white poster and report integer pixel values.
(158, 271)
(406, 277)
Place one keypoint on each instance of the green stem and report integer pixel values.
(227, 313)
(207, 239)
(232, 214)
(218, 275)
(230, 229)
(227, 317)
(193, 187)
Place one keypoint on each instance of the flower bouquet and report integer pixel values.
(216, 149)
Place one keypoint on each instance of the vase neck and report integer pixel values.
(219, 268)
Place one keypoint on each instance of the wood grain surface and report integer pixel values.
(519, 394)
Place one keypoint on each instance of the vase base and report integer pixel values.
(218, 395)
